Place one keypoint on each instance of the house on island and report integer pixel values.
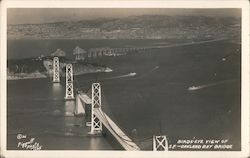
(79, 53)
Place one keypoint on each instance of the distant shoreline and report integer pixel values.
(135, 27)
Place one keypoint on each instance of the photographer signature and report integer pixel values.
(28, 145)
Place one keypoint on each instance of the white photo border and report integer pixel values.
(244, 5)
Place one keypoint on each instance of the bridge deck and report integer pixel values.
(120, 136)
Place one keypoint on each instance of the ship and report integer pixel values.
(132, 74)
(192, 88)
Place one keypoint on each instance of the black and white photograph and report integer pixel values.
(123, 79)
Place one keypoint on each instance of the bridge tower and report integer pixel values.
(69, 82)
(160, 143)
(96, 125)
(56, 70)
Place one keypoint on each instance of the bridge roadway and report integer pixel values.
(119, 135)
(114, 129)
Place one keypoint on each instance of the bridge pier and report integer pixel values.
(96, 125)
(160, 143)
(69, 82)
(56, 70)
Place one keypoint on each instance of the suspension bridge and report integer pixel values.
(99, 118)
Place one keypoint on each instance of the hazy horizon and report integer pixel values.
(49, 15)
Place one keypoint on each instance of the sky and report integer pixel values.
(47, 15)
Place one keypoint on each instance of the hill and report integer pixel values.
(135, 27)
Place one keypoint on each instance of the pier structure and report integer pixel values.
(160, 143)
(79, 53)
(96, 125)
(56, 70)
(69, 82)
(99, 118)
(79, 108)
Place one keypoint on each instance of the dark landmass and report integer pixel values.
(42, 67)
(135, 27)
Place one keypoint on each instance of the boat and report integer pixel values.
(132, 74)
(192, 88)
(108, 70)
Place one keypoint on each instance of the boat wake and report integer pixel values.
(193, 88)
(121, 76)
(155, 68)
(149, 72)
